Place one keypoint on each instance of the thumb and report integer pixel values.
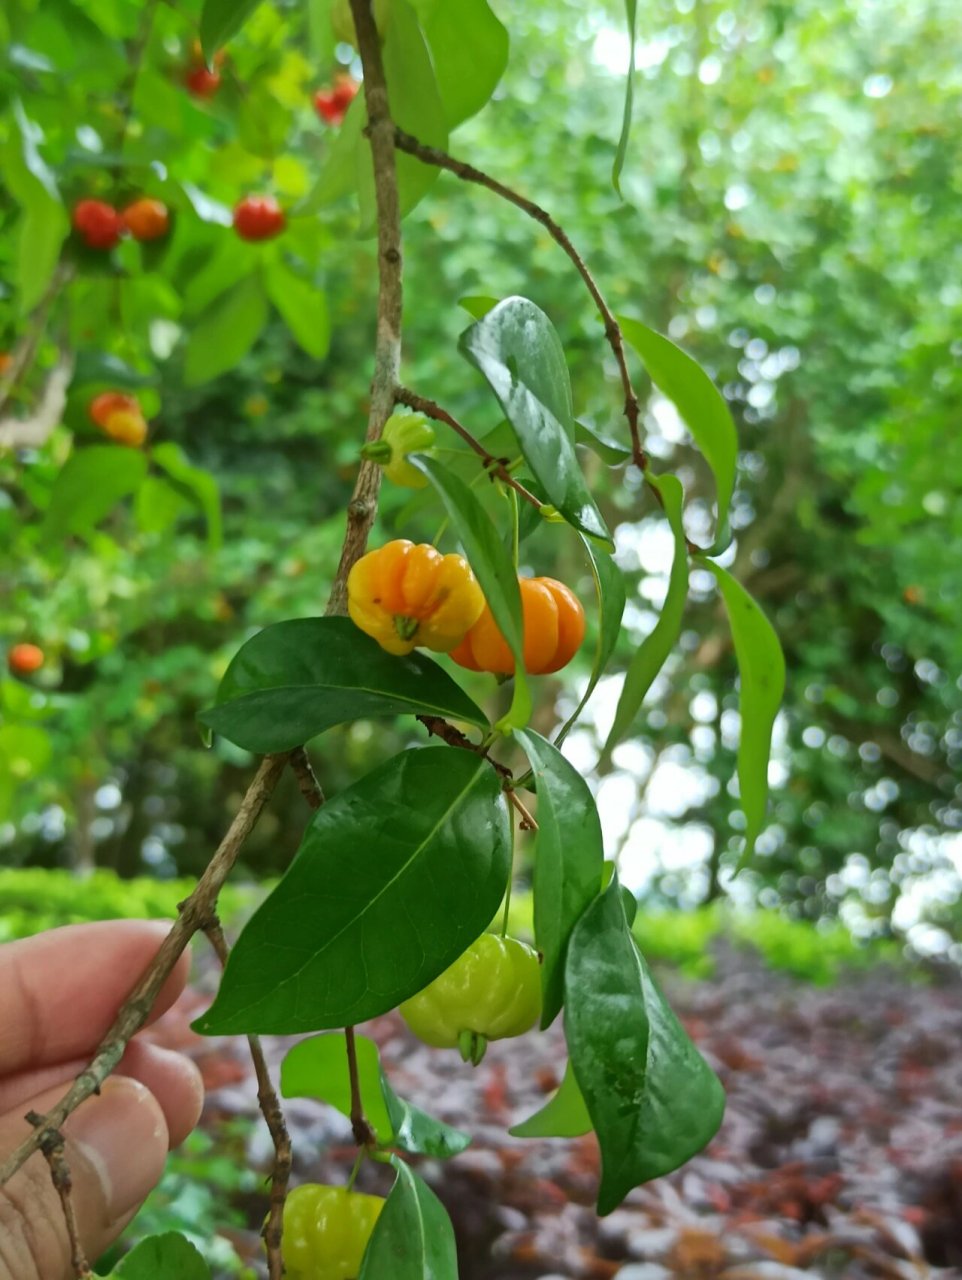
(115, 1148)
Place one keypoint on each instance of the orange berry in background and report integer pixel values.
(554, 627)
(109, 402)
(98, 225)
(202, 82)
(25, 659)
(258, 218)
(146, 219)
(6, 360)
(119, 416)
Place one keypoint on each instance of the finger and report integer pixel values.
(115, 1148)
(60, 991)
(173, 1080)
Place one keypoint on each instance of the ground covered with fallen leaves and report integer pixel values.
(840, 1153)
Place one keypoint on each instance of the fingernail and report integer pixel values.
(123, 1135)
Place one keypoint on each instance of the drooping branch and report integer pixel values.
(133, 1013)
(387, 350)
(25, 351)
(52, 1146)
(468, 173)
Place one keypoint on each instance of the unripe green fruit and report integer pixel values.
(342, 20)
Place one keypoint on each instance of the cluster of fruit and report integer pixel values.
(101, 226)
(120, 417)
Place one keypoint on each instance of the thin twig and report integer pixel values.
(51, 1145)
(527, 821)
(496, 466)
(364, 1135)
(468, 173)
(133, 1013)
(440, 728)
(270, 1106)
(306, 778)
(387, 350)
(25, 351)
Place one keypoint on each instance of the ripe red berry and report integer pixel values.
(345, 90)
(258, 218)
(202, 81)
(98, 225)
(25, 659)
(327, 106)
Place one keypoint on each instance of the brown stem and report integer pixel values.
(387, 350)
(468, 173)
(527, 821)
(25, 351)
(51, 1145)
(133, 1013)
(364, 1135)
(306, 778)
(270, 1106)
(440, 728)
(495, 466)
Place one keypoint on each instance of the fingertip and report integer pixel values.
(173, 1079)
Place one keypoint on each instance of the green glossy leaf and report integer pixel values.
(761, 672)
(303, 308)
(607, 450)
(698, 401)
(653, 651)
(477, 305)
(90, 484)
(568, 857)
(610, 589)
(653, 1100)
(317, 1068)
(199, 484)
(469, 50)
(394, 878)
(517, 349)
(563, 1116)
(295, 679)
(164, 1257)
(631, 7)
(413, 1238)
(225, 332)
(220, 19)
(493, 567)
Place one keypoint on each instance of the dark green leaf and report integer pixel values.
(607, 450)
(165, 1257)
(394, 878)
(413, 1238)
(469, 49)
(698, 401)
(225, 332)
(619, 163)
(91, 483)
(493, 567)
(200, 484)
(295, 679)
(303, 308)
(417, 1132)
(220, 19)
(569, 853)
(653, 651)
(610, 589)
(653, 1100)
(761, 671)
(563, 1116)
(517, 349)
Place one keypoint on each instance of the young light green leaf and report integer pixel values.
(90, 484)
(653, 1100)
(569, 853)
(493, 568)
(199, 484)
(318, 1068)
(220, 19)
(225, 332)
(394, 878)
(619, 163)
(610, 589)
(413, 1238)
(25, 750)
(518, 350)
(700, 404)
(303, 308)
(158, 505)
(607, 450)
(653, 651)
(477, 305)
(563, 1116)
(761, 672)
(469, 50)
(164, 1257)
(295, 679)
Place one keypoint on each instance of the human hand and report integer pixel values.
(59, 993)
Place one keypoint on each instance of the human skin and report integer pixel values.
(59, 994)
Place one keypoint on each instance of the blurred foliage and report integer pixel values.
(791, 216)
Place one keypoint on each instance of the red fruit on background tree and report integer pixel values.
(202, 82)
(25, 659)
(332, 104)
(98, 224)
(258, 218)
(146, 219)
